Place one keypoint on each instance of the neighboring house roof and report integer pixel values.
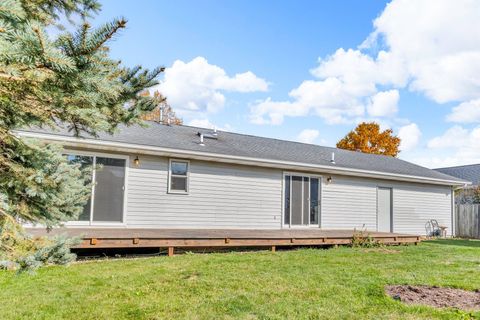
(241, 147)
(467, 172)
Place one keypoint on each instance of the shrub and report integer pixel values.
(363, 239)
(21, 252)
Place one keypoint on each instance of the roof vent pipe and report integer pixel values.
(332, 160)
(215, 131)
(201, 140)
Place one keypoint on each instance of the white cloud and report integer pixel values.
(454, 137)
(308, 135)
(384, 104)
(438, 42)
(345, 89)
(362, 70)
(243, 82)
(456, 146)
(427, 46)
(202, 123)
(207, 124)
(465, 112)
(198, 87)
(409, 136)
(354, 69)
(331, 99)
(275, 111)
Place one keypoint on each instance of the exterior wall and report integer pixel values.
(350, 202)
(220, 196)
(414, 205)
(236, 196)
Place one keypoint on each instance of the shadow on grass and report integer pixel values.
(474, 243)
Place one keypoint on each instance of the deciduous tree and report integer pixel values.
(163, 112)
(367, 137)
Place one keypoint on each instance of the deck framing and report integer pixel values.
(96, 238)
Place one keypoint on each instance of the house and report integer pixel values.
(468, 193)
(466, 172)
(181, 177)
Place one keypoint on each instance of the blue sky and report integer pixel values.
(253, 67)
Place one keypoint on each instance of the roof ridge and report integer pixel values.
(245, 134)
(283, 140)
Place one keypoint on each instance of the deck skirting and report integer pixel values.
(190, 238)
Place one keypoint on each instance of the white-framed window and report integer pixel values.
(178, 176)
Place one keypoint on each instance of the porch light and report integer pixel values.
(329, 179)
(136, 161)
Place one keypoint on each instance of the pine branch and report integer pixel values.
(11, 77)
(83, 35)
(102, 35)
(49, 11)
(40, 39)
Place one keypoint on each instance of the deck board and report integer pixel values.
(132, 237)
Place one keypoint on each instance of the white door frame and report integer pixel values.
(391, 205)
(320, 185)
(125, 193)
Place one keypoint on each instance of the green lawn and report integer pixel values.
(341, 283)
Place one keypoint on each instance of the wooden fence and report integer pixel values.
(467, 221)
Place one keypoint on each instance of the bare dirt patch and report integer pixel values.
(436, 296)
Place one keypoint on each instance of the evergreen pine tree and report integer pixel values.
(46, 80)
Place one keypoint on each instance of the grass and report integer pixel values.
(343, 283)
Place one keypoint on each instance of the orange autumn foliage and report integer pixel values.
(163, 112)
(368, 138)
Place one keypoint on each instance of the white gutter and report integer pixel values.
(170, 152)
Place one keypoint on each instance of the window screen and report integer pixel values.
(110, 182)
(178, 176)
(314, 200)
(287, 200)
(108, 179)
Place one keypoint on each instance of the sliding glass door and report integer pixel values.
(301, 200)
(107, 197)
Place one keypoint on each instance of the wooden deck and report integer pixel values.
(190, 238)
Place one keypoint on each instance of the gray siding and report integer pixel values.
(351, 203)
(236, 196)
(220, 196)
(414, 205)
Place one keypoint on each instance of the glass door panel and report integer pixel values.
(109, 189)
(86, 163)
(296, 204)
(306, 202)
(286, 206)
(314, 200)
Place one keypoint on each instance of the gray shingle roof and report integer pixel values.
(234, 144)
(467, 172)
